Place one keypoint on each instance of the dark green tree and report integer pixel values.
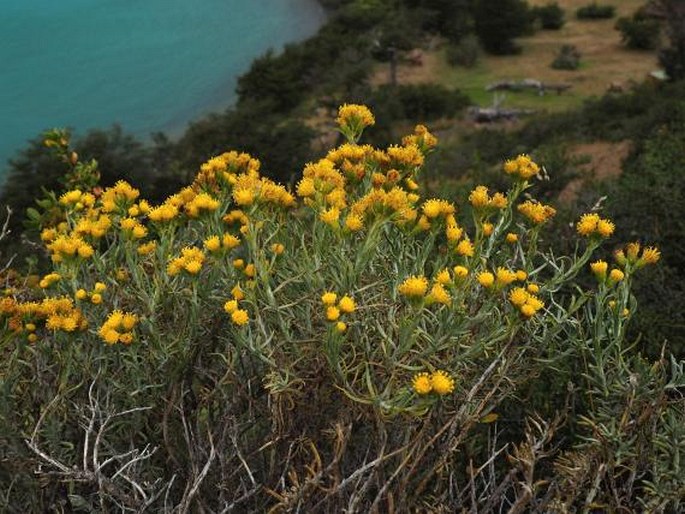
(498, 22)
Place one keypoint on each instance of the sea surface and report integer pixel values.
(149, 65)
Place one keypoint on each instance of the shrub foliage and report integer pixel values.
(343, 347)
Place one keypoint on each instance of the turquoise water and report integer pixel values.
(149, 65)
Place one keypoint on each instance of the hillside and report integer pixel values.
(604, 60)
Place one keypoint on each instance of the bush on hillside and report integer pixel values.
(498, 22)
(639, 32)
(595, 11)
(551, 16)
(464, 53)
(346, 346)
(568, 58)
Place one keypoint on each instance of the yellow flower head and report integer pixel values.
(240, 317)
(443, 277)
(231, 306)
(354, 222)
(650, 255)
(533, 288)
(599, 268)
(487, 229)
(278, 248)
(518, 296)
(441, 382)
(439, 294)
(414, 286)
(588, 224)
(422, 383)
(330, 216)
(332, 313)
(505, 276)
(237, 292)
(616, 275)
(605, 228)
(354, 118)
(512, 238)
(486, 279)
(329, 298)
(465, 248)
(460, 272)
(479, 197)
(341, 326)
(212, 243)
(346, 305)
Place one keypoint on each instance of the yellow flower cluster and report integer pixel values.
(95, 296)
(118, 197)
(239, 316)
(351, 159)
(147, 248)
(221, 171)
(77, 199)
(353, 118)
(346, 305)
(421, 138)
(591, 224)
(163, 213)
(414, 286)
(631, 255)
(481, 200)
(438, 382)
(501, 278)
(250, 188)
(93, 225)
(522, 167)
(201, 204)
(65, 247)
(191, 261)
(132, 228)
(322, 184)
(405, 157)
(58, 313)
(536, 212)
(118, 328)
(396, 203)
(526, 301)
(49, 279)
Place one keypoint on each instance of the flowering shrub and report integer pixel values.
(344, 346)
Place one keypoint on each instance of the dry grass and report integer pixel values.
(604, 61)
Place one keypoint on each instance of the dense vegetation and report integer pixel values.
(253, 415)
(345, 346)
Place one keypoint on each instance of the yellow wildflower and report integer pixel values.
(422, 383)
(414, 286)
(332, 313)
(240, 317)
(486, 279)
(441, 382)
(346, 304)
(231, 306)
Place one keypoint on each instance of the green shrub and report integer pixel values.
(498, 22)
(551, 16)
(464, 53)
(595, 11)
(639, 32)
(568, 58)
(346, 346)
